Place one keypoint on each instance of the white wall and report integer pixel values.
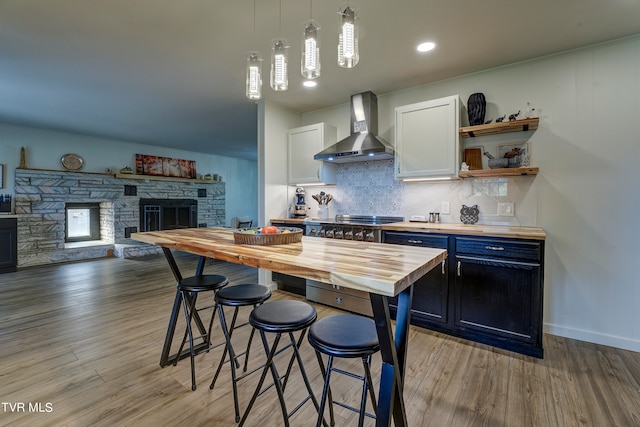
(587, 194)
(44, 148)
(273, 124)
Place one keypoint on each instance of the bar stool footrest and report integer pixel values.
(351, 408)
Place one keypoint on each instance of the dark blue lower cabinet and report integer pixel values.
(8, 245)
(502, 300)
(431, 292)
(492, 291)
(430, 297)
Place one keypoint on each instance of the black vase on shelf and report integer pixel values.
(476, 108)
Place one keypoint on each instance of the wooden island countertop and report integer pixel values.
(371, 267)
(381, 270)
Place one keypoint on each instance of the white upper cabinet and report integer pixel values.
(304, 142)
(427, 139)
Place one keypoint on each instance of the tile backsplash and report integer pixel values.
(369, 188)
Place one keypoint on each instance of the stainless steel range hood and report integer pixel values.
(363, 144)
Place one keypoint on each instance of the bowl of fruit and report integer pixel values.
(267, 235)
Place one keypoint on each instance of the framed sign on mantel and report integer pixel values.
(165, 166)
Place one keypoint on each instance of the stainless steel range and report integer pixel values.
(347, 227)
(350, 227)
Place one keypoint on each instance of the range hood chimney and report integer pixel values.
(363, 144)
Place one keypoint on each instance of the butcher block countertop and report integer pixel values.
(534, 233)
(371, 267)
(299, 221)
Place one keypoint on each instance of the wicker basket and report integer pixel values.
(241, 237)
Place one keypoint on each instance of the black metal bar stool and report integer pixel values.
(345, 336)
(237, 296)
(282, 317)
(189, 288)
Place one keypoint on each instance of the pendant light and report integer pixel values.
(310, 63)
(254, 76)
(348, 55)
(254, 67)
(279, 61)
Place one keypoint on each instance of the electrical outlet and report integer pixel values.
(128, 231)
(445, 208)
(506, 209)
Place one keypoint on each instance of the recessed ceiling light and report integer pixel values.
(426, 47)
(309, 83)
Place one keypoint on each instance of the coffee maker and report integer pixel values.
(300, 207)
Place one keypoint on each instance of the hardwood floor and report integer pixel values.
(80, 345)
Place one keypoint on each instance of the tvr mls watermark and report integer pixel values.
(39, 407)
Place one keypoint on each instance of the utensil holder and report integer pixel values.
(323, 211)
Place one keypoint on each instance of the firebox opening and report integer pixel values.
(168, 214)
(82, 222)
(88, 224)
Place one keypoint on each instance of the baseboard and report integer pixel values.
(593, 337)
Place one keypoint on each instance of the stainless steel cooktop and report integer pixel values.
(368, 220)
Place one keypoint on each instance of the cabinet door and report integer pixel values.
(303, 143)
(429, 297)
(430, 292)
(502, 298)
(8, 245)
(427, 139)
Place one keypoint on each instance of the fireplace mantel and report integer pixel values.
(163, 178)
(130, 176)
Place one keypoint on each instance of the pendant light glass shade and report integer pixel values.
(310, 63)
(254, 76)
(279, 64)
(348, 55)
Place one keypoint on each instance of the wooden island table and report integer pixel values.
(382, 270)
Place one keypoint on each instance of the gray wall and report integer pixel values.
(44, 148)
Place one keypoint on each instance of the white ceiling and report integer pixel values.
(171, 72)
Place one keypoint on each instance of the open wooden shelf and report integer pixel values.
(497, 128)
(496, 173)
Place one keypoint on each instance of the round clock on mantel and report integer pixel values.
(72, 162)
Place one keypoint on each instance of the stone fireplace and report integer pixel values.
(41, 195)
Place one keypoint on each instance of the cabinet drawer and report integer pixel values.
(341, 300)
(335, 288)
(496, 248)
(416, 239)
